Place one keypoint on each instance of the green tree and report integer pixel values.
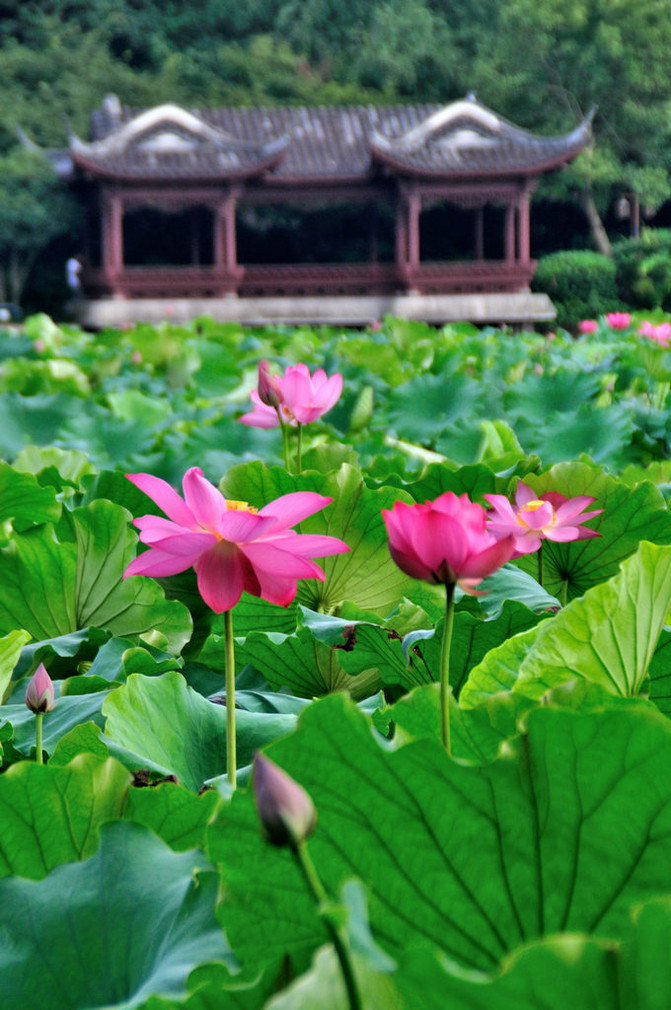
(35, 207)
(576, 54)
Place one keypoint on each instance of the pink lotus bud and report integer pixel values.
(136, 358)
(286, 812)
(40, 691)
(588, 326)
(270, 386)
(40, 346)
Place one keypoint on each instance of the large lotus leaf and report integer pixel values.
(629, 516)
(304, 665)
(61, 654)
(174, 813)
(162, 724)
(51, 815)
(366, 575)
(571, 970)
(107, 440)
(476, 734)
(499, 669)
(23, 501)
(51, 587)
(600, 432)
(423, 407)
(131, 921)
(660, 673)
(472, 639)
(567, 829)
(513, 583)
(45, 463)
(535, 397)
(10, 652)
(68, 712)
(25, 419)
(608, 636)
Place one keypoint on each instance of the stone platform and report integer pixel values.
(521, 309)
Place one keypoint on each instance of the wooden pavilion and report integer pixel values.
(182, 204)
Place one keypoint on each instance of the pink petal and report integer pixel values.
(315, 545)
(437, 539)
(479, 566)
(222, 576)
(411, 564)
(537, 518)
(263, 415)
(292, 508)
(265, 557)
(184, 545)
(207, 504)
(239, 526)
(155, 528)
(156, 563)
(504, 510)
(524, 494)
(276, 588)
(165, 497)
(571, 508)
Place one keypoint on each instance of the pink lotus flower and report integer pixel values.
(660, 334)
(40, 691)
(551, 516)
(445, 541)
(588, 326)
(618, 320)
(304, 397)
(232, 547)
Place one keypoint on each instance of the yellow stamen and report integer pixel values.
(533, 506)
(240, 506)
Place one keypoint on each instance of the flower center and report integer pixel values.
(533, 506)
(240, 506)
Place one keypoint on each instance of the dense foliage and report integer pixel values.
(530, 868)
(60, 58)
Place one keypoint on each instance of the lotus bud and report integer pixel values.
(269, 387)
(40, 691)
(286, 812)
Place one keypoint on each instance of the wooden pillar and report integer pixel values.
(112, 237)
(510, 232)
(479, 233)
(230, 242)
(523, 230)
(414, 208)
(401, 235)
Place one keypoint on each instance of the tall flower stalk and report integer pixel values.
(288, 818)
(445, 541)
(234, 548)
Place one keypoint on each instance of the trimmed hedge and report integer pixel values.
(643, 269)
(581, 283)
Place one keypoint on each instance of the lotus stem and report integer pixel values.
(39, 716)
(230, 698)
(299, 449)
(285, 441)
(445, 688)
(540, 564)
(563, 592)
(316, 888)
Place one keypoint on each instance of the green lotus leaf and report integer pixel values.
(131, 921)
(23, 501)
(162, 724)
(68, 712)
(476, 734)
(52, 815)
(474, 860)
(608, 636)
(53, 586)
(174, 813)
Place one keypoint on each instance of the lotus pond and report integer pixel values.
(499, 841)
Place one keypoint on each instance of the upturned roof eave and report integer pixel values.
(103, 172)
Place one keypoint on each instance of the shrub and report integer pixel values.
(643, 269)
(581, 283)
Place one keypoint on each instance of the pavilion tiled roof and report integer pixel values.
(315, 144)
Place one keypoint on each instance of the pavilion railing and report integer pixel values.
(310, 279)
